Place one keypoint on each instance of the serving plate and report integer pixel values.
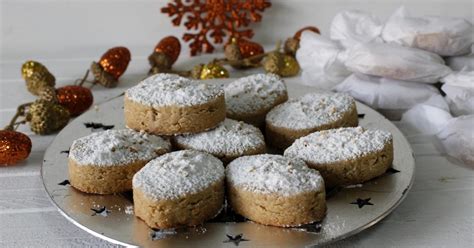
(350, 209)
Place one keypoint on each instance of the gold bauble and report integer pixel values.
(37, 77)
(290, 67)
(48, 94)
(211, 71)
(47, 117)
(273, 63)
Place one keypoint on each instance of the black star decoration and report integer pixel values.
(312, 228)
(94, 125)
(65, 151)
(64, 183)
(101, 211)
(235, 239)
(157, 234)
(362, 202)
(361, 116)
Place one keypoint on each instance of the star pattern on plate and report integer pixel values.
(157, 234)
(65, 151)
(64, 183)
(361, 116)
(103, 211)
(392, 170)
(312, 228)
(95, 125)
(235, 239)
(362, 202)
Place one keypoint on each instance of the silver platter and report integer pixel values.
(117, 224)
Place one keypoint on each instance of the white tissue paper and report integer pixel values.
(383, 93)
(321, 60)
(351, 27)
(428, 117)
(457, 138)
(459, 89)
(446, 36)
(396, 62)
(465, 62)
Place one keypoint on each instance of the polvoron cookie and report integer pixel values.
(105, 162)
(167, 104)
(345, 156)
(312, 112)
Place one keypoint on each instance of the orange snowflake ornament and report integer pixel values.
(216, 19)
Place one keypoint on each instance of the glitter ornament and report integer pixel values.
(36, 76)
(164, 55)
(111, 66)
(47, 117)
(239, 52)
(14, 147)
(249, 48)
(212, 71)
(76, 99)
(48, 94)
(215, 19)
(273, 62)
(290, 67)
(292, 44)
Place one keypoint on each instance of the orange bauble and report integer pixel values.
(308, 28)
(74, 98)
(14, 147)
(115, 61)
(249, 48)
(170, 46)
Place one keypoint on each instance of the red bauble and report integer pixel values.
(115, 61)
(76, 99)
(14, 147)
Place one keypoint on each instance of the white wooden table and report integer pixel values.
(68, 35)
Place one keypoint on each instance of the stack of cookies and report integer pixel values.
(190, 146)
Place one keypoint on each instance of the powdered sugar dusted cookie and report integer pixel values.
(275, 190)
(312, 112)
(183, 188)
(229, 140)
(168, 104)
(105, 162)
(250, 98)
(345, 156)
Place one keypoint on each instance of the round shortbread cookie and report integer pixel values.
(250, 98)
(275, 190)
(229, 140)
(312, 112)
(168, 104)
(105, 162)
(183, 188)
(345, 156)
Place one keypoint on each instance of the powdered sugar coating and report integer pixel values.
(311, 110)
(253, 93)
(230, 137)
(169, 89)
(336, 145)
(117, 147)
(178, 174)
(274, 174)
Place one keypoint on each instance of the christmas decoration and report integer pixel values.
(209, 71)
(292, 44)
(36, 76)
(111, 66)
(216, 19)
(165, 54)
(14, 147)
(47, 117)
(76, 99)
(243, 49)
(290, 66)
(48, 94)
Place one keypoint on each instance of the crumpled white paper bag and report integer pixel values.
(396, 62)
(459, 89)
(429, 117)
(457, 138)
(465, 62)
(446, 36)
(321, 60)
(384, 93)
(350, 27)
